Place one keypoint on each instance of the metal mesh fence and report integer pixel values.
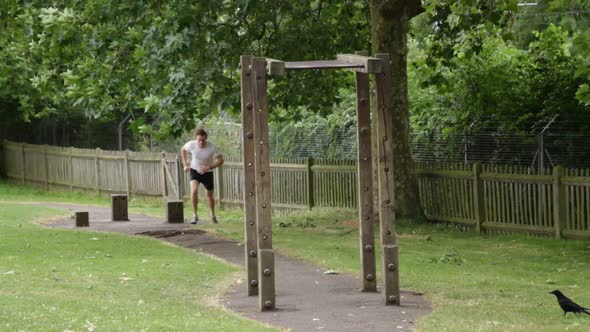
(288, 142)
(318, 143)
(535, 151)
(530, 150)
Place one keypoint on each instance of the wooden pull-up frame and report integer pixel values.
(256, 159)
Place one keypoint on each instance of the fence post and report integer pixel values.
(541, 151)
(179, 178)
(127, 175)
(71, 168)
(219, 186)
(478, 199)
(163, 177)
(558, 201)
(465, 159)
(23, 166)
(97, 171)
(2, 158)
(46, 168)
(2, 165)
(310, 198)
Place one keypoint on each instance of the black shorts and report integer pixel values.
(206, 179)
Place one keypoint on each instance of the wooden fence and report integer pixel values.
(296, 183)
(88, 169)
(553, 202)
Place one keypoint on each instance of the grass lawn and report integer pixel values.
(475, 283)
(63, 280)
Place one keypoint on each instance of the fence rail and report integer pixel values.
(492, 198)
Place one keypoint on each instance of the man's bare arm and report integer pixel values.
(183, 155)
(218, 161)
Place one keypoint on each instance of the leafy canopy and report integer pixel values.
(168, 63)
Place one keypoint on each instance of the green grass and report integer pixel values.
(16, 192)
(475, 283)
(57, 280)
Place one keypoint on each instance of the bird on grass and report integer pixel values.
(568, 305)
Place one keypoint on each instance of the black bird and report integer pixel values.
(568, 305)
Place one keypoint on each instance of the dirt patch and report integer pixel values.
(170, 232)
(351, 223)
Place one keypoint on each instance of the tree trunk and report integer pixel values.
(389, 29)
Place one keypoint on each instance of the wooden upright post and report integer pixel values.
(384, 120)
(250, 234)
(97, 170)
(365, 183)
(558, 201)
(23, 164)
(164, 177)
(262, 180)
(127, 174)
(179, 184)
(71, 170)
(310, 189)
(219, 187)
(46, 166)
(480, 210)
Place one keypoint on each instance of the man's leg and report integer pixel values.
(211, 204)
(195, 199)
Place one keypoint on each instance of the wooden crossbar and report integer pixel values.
(320, 64)
(355, 62)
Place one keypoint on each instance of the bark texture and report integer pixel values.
(389, 29)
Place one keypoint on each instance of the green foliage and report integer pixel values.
(581, 50)
(459, 28)
(570, 15)
(471, 76)
(171, 64)
(168, 63)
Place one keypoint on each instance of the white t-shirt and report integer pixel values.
(202, 156)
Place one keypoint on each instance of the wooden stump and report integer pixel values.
(119, 208)
(174, 212)
(82, 219)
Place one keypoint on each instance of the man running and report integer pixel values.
(205, 157)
